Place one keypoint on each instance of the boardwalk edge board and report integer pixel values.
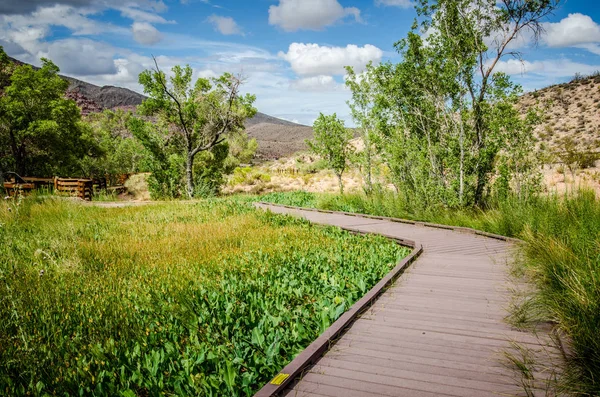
(319, 346)
(460, 229)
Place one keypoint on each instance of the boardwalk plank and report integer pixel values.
(438, 331)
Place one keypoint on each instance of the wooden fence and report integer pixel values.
(82, 188)
(287, 171)
(76, 187)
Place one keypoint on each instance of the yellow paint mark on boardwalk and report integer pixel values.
(279, 378)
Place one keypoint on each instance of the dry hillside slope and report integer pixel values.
(572, 109)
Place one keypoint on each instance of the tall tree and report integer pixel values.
(444, 112)
(476, 35)
(41, 128)
(201, 115)
(362, 107)
(332, 143)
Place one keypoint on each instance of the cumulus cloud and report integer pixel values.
(146, 34)
(225, 25)
(576, 31)
(293, 15)
(572, 30)
(82, 57)
(75, 20)
(394, 3)
(313, 59)
(314, 83)
(548, 68)
(515, 66)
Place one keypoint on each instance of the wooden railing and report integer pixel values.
(78, 187)
(82, 188)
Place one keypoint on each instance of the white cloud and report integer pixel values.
(206, 74)
(82, 57)
(314, 83)
(225, 25)
(515, 66)
(293, 15)
(142, 16)
(146, 34)
(76, 20)
(313, 59)
(394, 3)
(574, 30)
(547, 68)
(591, 47)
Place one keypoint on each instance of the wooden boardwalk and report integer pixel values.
(439, 330)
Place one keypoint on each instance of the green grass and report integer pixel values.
(207, 298)
(562, 257)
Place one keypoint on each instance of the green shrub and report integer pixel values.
(248, 176)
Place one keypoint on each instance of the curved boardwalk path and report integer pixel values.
(439, 330)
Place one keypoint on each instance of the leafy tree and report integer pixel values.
(41, 129)
(444, 114)
(518, 164)
(200, 115)
(363, 111)
(241, 150)
(123, 153)
(165, 161)
(332, 143)
(6, 69)
(209, 170)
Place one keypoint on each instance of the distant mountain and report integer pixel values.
(266, 119)
(278, 140)
(107, 97)
(276, 137)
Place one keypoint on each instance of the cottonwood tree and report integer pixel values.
(362, 107)
(200, 114)
(444, 112)
(332, 142)
(41, 132)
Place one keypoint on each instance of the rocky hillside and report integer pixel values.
(277, 140)
(572, 110)
(106, 97)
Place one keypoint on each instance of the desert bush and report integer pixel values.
(311, 167)
(248, 176)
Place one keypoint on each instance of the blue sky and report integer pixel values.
(291, 52)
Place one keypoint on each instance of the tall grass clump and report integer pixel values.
(209, 298)
(562, 257)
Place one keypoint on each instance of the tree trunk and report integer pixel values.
(368, 164)
(481, 182)
(341, 183)
(189, 175)
(17, 155)
(481, 170)
(462, 171)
